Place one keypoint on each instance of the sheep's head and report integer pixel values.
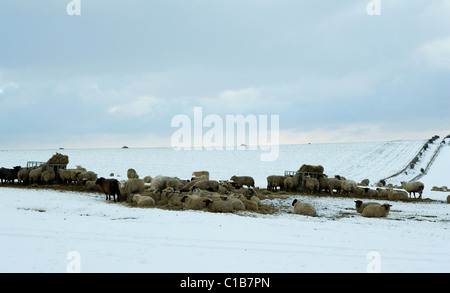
(99, 180)
(358, 203)
(207, 201)
(293, 203)
(183, 199)
(386, 206)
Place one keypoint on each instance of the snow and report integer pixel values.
(40, 230)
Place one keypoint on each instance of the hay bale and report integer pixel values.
(59, 159)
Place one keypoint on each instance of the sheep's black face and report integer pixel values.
(358, 203)
(293, 203)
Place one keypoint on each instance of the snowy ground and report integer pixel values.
(52, 231)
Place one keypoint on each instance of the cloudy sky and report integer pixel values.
(118, 73)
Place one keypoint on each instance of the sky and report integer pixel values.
(119, 72)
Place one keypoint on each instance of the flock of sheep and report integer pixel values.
(236, 194)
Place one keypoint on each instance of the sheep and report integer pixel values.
(131, 174)
(219, 206)
(68, 175)
(23, 175)
(193, 202)
(413, 187)
(9, 175)
(90, 185)
(289, 183)
(109, 187)
(131, 186)
(237, 203)
(323, 182)
(158, 183)
(249, 204)
(84, 176)
(311, 184)
(244, 180)
(275, 181)
(209, 185)
(383, 192)
(364, 182)
(148, 179)
(334, 183)
(145, 201)
(48, 176)
(302, 208)
(201, 173)
(371, 192)
(448, 198)
(359, 205)
(35, 175)
(348, 186)
(173, 198)
(397, 195)
(173, 183)
(376, 210)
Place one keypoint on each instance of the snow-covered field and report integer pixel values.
(52, 231)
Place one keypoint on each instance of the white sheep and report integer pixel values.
(23, 175)
(303, 208)
(360, 206)
(334, 184)
(143, 201)
(197, 174)
(413, 187)
(249, 204)
(376, 210)
(396, 195)
(131, 186)
(219, 206)
(158, 183)
(90, 185)
(48, 176)
(348, 186)
(193, 202)
(84, 176)
(68, 175)
(311, 184)
(131, 174)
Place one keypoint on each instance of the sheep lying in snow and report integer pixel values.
(364, 182)
(413, 187)
(109, 187)
(244, 180)
(219, 206)
(131, 186)
(193, 202)
(396, 195)
(209, 185)
(84, 176)
(143, 201)
(360, 206)
(376, 210)
(302, 208)
(90, 185)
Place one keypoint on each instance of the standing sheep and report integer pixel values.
(109, 187)
(48, 176)
(413, 187)
(23, 175)
(334, 183)
(244, 180)
(275, 181)
(348, 186)
(311, 184)
(376, 211)
(302, 208)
